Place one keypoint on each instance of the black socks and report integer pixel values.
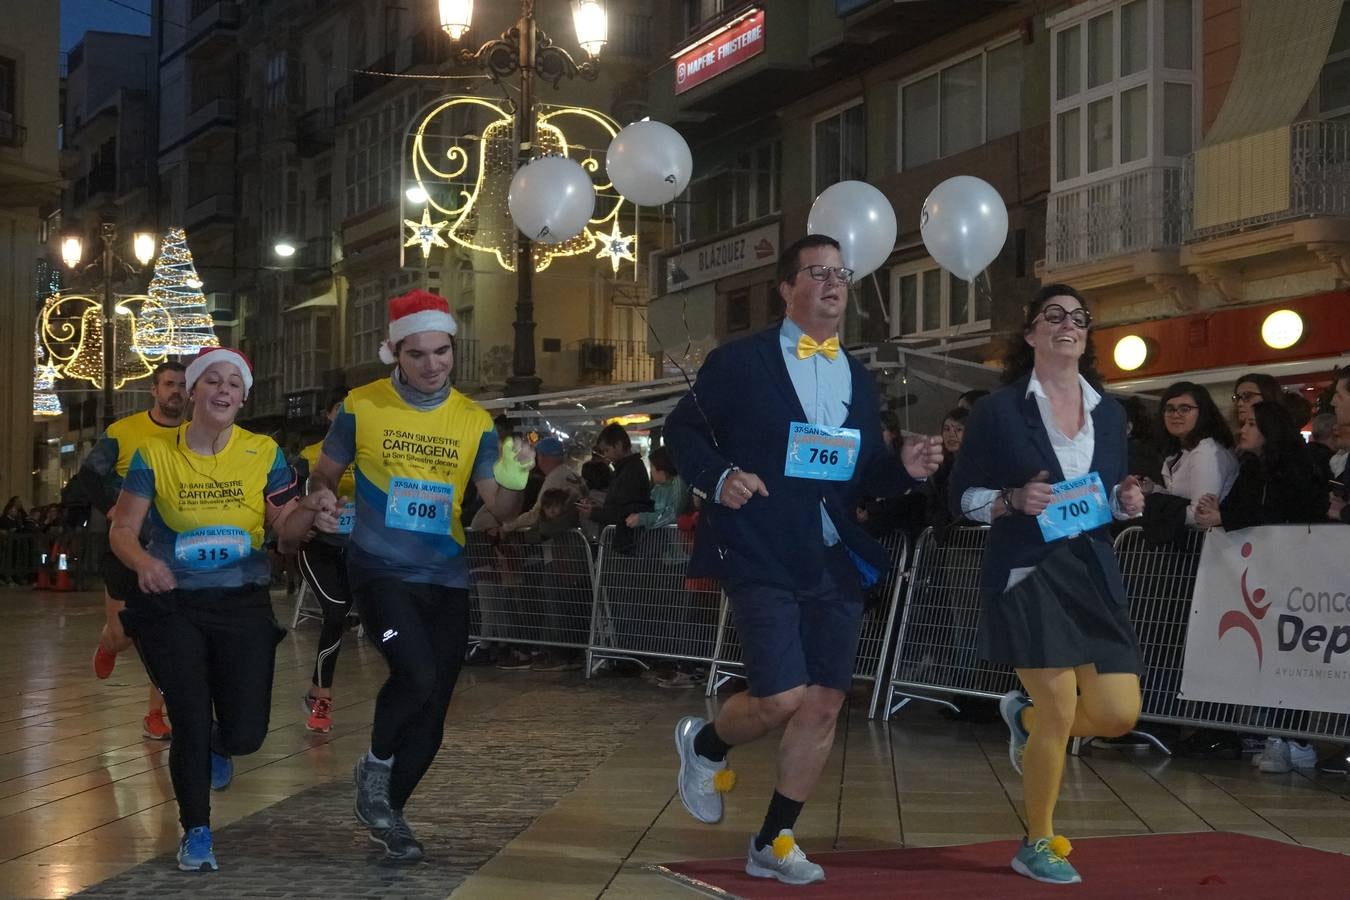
(709, 746)
(783, 812)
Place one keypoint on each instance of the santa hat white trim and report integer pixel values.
(210, 357)
(422, 320)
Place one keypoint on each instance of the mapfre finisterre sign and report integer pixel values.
(720, 52)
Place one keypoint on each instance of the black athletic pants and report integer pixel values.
(324, 566)
(422, 630)
(208, 650)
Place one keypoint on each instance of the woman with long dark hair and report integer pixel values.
(1044, 461)
(1197, 443)
(1251, 389)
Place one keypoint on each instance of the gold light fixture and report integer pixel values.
(592, 25)
(456, 17)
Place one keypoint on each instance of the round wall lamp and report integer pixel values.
(1130, 353)
(1282, 329)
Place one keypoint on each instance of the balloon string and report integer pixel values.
(881, 301)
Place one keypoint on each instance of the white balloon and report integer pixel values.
(964, 224)
(551, 199)
(649, 163)
(860, 218)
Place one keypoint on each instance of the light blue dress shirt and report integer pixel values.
(825, 387)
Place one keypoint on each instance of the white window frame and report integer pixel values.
(1153, 75)
(983, 52)
(945, 328)
(830, 114)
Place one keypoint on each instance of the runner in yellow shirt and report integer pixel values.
(203, 618)
(417, 444)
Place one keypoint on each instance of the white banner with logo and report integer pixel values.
(1270, 620)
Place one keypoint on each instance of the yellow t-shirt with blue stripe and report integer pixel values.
(111, 456)
(207, 518)
(346, 488)
(412, 469)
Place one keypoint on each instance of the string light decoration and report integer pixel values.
(45, 402)
(175, 320)
(70, 330)
(425, 233)
(465, 174)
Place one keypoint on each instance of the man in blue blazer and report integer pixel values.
(781, 437)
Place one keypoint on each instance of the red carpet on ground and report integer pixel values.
(1199, 864)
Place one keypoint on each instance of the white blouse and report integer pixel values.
(1208, 468)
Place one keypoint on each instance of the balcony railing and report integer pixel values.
(1291, 172)
(1131, 213)
(614, 362)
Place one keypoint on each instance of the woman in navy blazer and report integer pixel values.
(1054, 605)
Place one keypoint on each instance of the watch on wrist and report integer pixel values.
(1006, 494)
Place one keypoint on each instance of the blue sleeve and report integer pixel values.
(977, 460)
(140, 478)
(339, 444)
(488, 452)
(103, 458)
(282, 484)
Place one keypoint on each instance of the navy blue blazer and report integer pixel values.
(1005, 445)
(738, 414)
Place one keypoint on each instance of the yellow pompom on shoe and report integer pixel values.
(1060, 846)
(724, 781)
(782, 845)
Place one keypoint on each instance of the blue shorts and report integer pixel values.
(799, 637)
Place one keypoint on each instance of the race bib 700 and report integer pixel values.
(1079, 504)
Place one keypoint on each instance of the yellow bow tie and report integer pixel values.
(807, 347)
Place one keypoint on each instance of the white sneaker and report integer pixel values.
(698, 779)
(1259, 756)
(792, 868)
(1301, 755)
(1276, 758)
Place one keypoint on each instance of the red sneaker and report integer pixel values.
(320, 718)
(103, 662)
(154, 727)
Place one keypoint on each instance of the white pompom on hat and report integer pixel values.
(413, 312)
(209, 356)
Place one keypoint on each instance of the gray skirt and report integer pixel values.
(1067, 612)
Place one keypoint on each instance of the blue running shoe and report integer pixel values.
(222, 771)
(1010, 707)
(1047, 861)
(195, 851)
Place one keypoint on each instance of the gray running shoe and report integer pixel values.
(698, 775)
(792, 868)
(372, 793)
(398, 841)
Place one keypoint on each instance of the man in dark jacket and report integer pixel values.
(630, 490)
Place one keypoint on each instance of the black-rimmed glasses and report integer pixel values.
(1179, 409)
(1054, 314)
(843, 274)
(1247, 397)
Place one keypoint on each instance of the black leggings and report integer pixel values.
(324, 566)
(422, 630)
(208, 649)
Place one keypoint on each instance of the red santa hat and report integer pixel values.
(415, 311)
(209, 356)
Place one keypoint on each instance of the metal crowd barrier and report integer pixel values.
(529, 590)
(69, 560)
(936, 648)
(645, 608)
(874, 640)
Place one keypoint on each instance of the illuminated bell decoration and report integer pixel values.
(70, 327)
(474, 172)
(1282, 329)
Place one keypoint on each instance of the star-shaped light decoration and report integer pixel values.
(426, 233)
(616, 246)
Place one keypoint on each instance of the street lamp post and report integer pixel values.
(143, 247)
(527, 50)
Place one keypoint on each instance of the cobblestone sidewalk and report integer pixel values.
(497, 771)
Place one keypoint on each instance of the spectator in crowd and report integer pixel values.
(14, 517)
(1322, 442)
(597, 475)
(558, 475)
(1198, 444)
(1142, 456)
(953, 432)
(1300, 410)
(1276, 482)
(629, 491)
(669, 494)
(1251, 389)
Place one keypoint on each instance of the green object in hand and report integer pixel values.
(510, 472)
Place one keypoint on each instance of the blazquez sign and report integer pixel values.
(1270, 621)
(720, 52)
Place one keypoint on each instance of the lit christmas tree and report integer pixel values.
(175, 320)
(45, 401)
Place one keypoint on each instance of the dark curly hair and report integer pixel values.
(1209, 422)
(1019, 358)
